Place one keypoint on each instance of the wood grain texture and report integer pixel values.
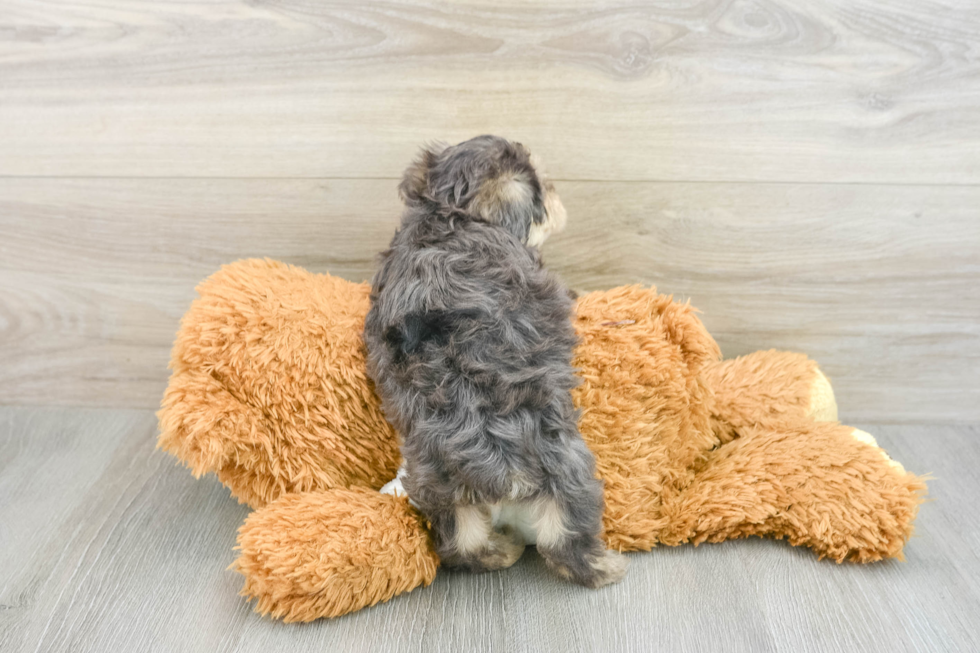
(807, 173)
(880, 284)
(108, 546)
(709, 90)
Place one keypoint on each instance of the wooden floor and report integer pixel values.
(108, 546)
(806, 173)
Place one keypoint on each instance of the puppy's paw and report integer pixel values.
(607, 569)
(503, 550)
(591, 570)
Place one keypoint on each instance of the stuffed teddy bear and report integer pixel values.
(269, 390)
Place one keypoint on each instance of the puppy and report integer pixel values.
(470, 344)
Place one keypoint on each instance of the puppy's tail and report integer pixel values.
(416, 329)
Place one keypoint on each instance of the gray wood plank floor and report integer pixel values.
(107, 545)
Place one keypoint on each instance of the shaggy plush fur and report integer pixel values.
(327, 553)
(269, 390)
(269, 387)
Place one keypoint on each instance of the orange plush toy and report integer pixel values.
(269, 391)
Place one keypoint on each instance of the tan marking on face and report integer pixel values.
(472, 529)
(497, 194)
(513, 189)
(554, 221)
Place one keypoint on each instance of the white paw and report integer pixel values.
(395, 488)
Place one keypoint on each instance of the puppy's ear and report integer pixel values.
(415, 180)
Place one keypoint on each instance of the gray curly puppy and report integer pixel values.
(470, 344)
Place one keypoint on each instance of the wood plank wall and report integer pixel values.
(807, 173)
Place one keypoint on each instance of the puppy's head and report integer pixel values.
(491, 179)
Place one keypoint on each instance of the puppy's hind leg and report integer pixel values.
(568, 530)
(465, 538)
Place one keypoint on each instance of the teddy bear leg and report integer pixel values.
(823, 485)
(767, 386)
(327, 553)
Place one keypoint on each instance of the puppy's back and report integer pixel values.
(462, 308)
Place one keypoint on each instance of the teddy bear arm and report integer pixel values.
(822, 485)
(202, 423)
(211, 430)
(269, 389)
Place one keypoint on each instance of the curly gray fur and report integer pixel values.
(470, 345)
